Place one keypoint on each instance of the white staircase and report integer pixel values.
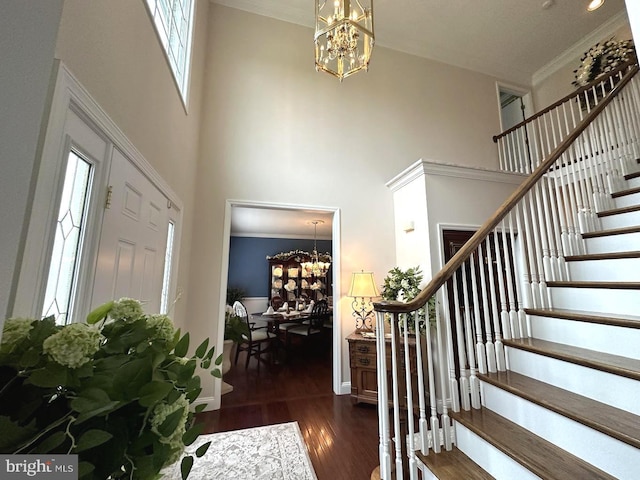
(576, 382)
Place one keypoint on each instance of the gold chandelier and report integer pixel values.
(344, 36)
(316, 267)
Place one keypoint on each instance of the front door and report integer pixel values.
(133, 242)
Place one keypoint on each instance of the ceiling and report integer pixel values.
(508, 39)
(279, 222)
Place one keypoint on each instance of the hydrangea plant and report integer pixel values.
(116, 391)
(404, 285)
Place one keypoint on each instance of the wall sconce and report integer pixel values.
(363, 290)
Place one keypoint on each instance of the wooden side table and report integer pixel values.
(362, 359)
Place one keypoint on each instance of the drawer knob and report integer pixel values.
(363, 348)
(364, 361)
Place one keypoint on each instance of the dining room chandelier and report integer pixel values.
(344, 36)
(316, 267)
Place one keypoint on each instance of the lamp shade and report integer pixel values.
(363, 285)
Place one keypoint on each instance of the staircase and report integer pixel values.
(568, 406)
(533, 369)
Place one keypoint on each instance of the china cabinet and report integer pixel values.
(294, 276)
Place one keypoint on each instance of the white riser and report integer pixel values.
(569, 435)
(615, 340)
(617, 391)
(634, 182)
(610, 270)
(620, 220)
(627, 200)
(596, 300)
(499, 465)
(614, 243)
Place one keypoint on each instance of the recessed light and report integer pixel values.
(594, 5)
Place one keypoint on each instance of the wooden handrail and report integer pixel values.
(472, 244)
(572, 95)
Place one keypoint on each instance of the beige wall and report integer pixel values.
(559, 83)
(275, 130)
(112, 49)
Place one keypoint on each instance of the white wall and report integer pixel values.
(27, 36)
(275, 130)
(633, 12)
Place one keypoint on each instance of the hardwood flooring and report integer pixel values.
(342, 438)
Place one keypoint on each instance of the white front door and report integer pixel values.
(133, 241)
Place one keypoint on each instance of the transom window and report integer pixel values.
(173, 20)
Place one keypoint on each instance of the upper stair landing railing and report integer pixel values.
(574, 157)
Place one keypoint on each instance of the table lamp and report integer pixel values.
(363, 290)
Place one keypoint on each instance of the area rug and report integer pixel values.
(274, 452)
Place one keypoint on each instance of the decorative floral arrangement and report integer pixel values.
(404, 286)
(300, 254)
(234, 326)
(116, 391)
(602, 58)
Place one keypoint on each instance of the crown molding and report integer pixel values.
(577, 49)
(421, 168)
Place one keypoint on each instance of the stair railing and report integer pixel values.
(576, 155)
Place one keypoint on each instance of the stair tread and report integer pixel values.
(612, 231)
(616, 211)
(609, 420)
(536, 454)
(590, 284)
(631, 321)
(603, 256)
(606, 362)
(629, 176)
(453, 465)
(628, 191)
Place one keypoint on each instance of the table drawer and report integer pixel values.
(363, 361)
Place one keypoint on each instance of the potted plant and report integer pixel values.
(404, 286)
(116, 391)
(234, 328)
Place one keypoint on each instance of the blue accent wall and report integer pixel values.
(248, 265)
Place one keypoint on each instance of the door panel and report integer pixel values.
(133, 241)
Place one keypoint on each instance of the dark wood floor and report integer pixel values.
(342, 439)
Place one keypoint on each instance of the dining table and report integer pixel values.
(273, 321)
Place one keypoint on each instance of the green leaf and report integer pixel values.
(216, 373)
(218, 360)
(30, 358)
(209, 354)
(92, 438)
(202, 348)
(171, 423)
(14, 434)
(51, 442)
(202, 449)
(90, 399)
(99, 313)
(153, 392)
(50, 376)
(182, 347)
(200, 408)
(131, 376)
(193, 394)
(185, 466)
(85, 469)
(194, 432)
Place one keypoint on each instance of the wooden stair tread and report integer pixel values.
(453, 465)
(602, 256)
(629, 176)
(615, 364)
(616, 211)
(628, 191)
(534, 453)
(588, 284)
(615, 422)
(631, 321)
(612, 231)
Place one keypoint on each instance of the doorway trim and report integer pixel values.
(520, 91)
(335, 272)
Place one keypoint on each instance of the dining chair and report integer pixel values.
(313, 326)
(253, 341)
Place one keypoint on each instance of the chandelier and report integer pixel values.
(344, 36)
(315, 267)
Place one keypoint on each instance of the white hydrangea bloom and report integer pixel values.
(74, 345)
(162, 326)
(15, 329)
(160, 414)
(128, 309)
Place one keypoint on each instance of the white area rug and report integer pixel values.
(274, 452)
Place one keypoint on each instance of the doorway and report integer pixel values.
(303, 213)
